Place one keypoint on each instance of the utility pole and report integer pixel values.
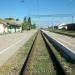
(37, 6)
(72, 18)
(52, 25)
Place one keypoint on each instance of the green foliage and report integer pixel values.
(29, 20)
(9, 18)
(27, 24)
(17, 19)
(33, 26)
(24, 19)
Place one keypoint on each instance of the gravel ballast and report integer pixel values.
(15, 63)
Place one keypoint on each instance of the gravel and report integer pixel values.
(14, 64)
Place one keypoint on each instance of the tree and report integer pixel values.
(9, 18)
(29, 21)
(25, 26)
(24, 19)
(33, 26)
(17, 19)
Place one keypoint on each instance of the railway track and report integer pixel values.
(41, 59)
(67, 63)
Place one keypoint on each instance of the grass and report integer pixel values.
(62, 60)
(64, 32)
(41, 62)
(15, 63)
(26, 47)
(44, 65)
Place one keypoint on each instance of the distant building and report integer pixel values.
(55, 27)
(61, 26)
(70, 26)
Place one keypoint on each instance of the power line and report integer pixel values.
(55, 15)
(22, 1)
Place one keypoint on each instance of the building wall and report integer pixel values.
(14, 28)
(1, 28)
(71, 27)
(19, 29)
(60, 27)
(6, 29)
(11, 30)
(67, 27)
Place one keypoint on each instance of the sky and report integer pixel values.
(21, 8)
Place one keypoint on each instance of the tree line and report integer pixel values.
(27, 25)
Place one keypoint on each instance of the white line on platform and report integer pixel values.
(62, 44)
(67, 42)
(11, 46)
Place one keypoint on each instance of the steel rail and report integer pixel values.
(58, 66)
(26, 61)
(67, 54)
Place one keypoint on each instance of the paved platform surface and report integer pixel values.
(66, 41)
(10, 43)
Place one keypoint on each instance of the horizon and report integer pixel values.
(21, 8)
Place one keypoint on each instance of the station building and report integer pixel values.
(14, 26)
(10, 26)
